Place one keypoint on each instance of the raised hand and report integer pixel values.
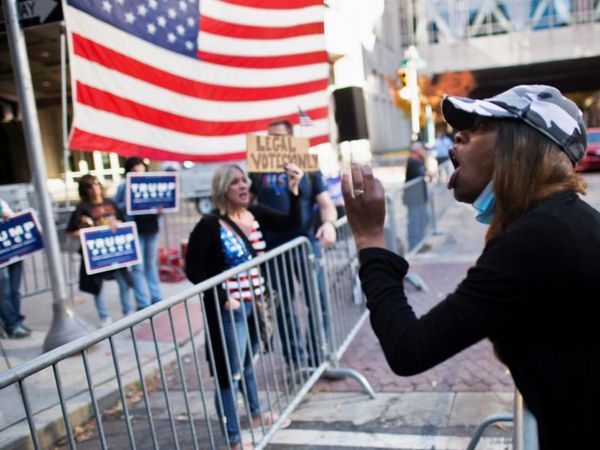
(294, 174)
(365, 206)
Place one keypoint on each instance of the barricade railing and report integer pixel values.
(343, 302)
(524, 437)
(175, 228)
(414, 209)
(164, 340)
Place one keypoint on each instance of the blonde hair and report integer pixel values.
(221, 181)
(528, 167)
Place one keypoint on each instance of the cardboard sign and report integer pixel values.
(145, 193)
(272, 153)
(104, 249)
(20, 236)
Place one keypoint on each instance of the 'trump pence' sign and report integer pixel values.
(146, 193)
(104, 249)
(272, 153)
(20, 237)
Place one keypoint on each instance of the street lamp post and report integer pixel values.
(65, 325)
(412, 62)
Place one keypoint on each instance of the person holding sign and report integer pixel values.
(222, 240)
(269, 189)
(95, 210)
(10, 296)
(146, 281)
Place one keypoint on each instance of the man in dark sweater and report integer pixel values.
(534, 291)
(270, 189)
(414, 195)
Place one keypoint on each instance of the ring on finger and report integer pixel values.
(358, 192)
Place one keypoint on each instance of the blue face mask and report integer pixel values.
(485, 205)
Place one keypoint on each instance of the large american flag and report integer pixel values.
(188, 79)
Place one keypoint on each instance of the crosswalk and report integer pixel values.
(352, 439)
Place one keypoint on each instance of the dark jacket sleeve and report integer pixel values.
(73, 224)
(273, 220)
(203, 245)
(482, 306)
(516, 273)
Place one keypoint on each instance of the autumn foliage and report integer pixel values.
(433, 89)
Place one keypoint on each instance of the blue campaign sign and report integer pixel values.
(104, 249)
(147, 193)
(20, 236)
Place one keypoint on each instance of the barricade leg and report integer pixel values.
(525, 435)
(490, 420)
(341, 268)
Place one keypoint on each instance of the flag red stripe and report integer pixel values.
(264, 62)
(84, 141)
(276, 4)
(106, 101)
(319, 140)
(111, 59)
(233, 30)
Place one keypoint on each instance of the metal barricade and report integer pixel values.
(175, 227)
(343, 302)
(414, 209)
(525, 436)
(151, 363)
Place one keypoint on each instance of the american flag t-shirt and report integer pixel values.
(187, 80)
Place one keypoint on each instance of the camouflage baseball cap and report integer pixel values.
(541, 107)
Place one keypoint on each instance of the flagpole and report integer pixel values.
(65, 325)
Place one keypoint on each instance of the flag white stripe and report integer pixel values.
(243, 15)
(190, 68)
(222, 45)
(125, 86)
(129, 130)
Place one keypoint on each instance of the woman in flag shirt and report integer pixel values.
(220, 241)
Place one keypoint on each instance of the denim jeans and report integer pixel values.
(10, 297)
(146, 283)
(100, 301)
(287, 317)
(236, 340)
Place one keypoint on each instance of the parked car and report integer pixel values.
(591, 159)
(196, 184)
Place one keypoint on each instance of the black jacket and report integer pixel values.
(204, 259)
(535, 293)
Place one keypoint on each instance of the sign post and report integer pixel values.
(65, 325)
(34, 12)
(272, 153)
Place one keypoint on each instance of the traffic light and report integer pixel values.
(404, 90)
(403, 77)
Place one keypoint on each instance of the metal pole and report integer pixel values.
(65, 326)
(66, 153)
(525, 436)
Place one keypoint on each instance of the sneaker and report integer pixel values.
(26, 327)
(18, 333)
(106, 321)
